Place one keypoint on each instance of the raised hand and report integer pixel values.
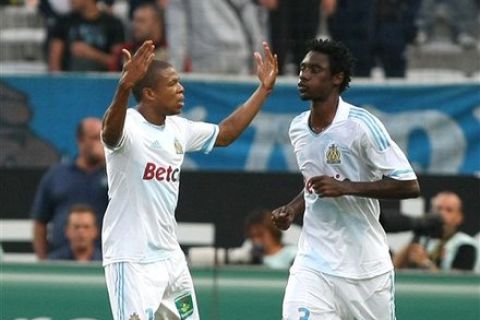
(267, 70)
(283, 217)
(134, 68)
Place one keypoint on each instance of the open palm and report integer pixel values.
(135, 68)
(267, 69)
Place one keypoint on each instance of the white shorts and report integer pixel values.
(160, 290)
(318, 296)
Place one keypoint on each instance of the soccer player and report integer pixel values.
(146, 272)
(342, 269)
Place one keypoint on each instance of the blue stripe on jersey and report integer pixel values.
(378, 133)
(392, 295)
(117, 269)
(122, 291)
(399, 173)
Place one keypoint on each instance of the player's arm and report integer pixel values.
(386, 188)
(133, 71)
(283, 217)
(231, 127)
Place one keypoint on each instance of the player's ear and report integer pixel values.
(148, 93)
(338, 78)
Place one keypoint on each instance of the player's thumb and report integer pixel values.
(127, 56)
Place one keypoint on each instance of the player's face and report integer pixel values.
(316, 81)
(81, 230)
(449, 208)
(168, 96)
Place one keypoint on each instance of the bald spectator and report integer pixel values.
(85, 40)
(81, 181)
(81, 232)
(454, 250)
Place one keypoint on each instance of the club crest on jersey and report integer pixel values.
(178, 147)
(333, 154)
(134, 316)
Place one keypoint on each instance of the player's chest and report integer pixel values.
(328, 149)
(161, 146)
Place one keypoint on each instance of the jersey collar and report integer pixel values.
(343, 110)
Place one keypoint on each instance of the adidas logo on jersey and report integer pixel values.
(156, 145)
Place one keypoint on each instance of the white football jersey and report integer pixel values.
(143, 179)
(342, 236)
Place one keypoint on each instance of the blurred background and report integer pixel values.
(417, 69)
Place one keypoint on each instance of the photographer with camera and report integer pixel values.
(448, 249)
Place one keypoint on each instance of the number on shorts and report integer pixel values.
(306, 313)
(149, 313)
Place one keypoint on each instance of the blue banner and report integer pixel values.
(438, 126)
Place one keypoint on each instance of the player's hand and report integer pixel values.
(135, 68)
(267, 70)
(326, 186)
(283, 217)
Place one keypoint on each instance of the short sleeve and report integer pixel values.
(43, 206)
(382, 153)
(200, 136)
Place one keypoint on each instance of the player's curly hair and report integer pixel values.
(341, 60)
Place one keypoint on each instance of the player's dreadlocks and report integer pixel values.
(340, 58)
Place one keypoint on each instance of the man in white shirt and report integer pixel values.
(343, 269)
(146, 271)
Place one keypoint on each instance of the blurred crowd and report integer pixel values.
(219, 36)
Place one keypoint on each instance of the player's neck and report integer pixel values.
(151, 116)
(323, 112)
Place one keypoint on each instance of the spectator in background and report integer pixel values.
(266, 241)
(453, 250)
(81, 232)
(66, 184)
(291, 24)
(134, 4)
(85, 40)
(462, 16)
(213, 36)
(147, 24)
(52, 10)
(376, 31)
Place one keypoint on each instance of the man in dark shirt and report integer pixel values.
(81, 231)
(85, 40)
(66, 184)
